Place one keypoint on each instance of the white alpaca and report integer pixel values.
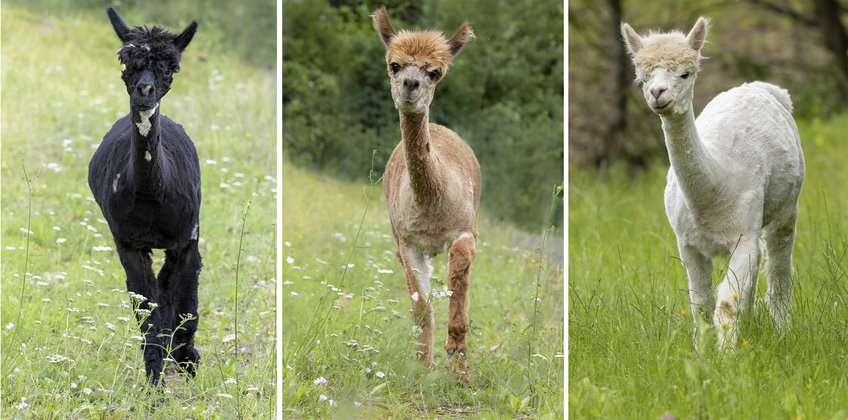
(735, 172)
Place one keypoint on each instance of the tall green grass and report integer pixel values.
(633, 351)
(348, 343)
(74, 352)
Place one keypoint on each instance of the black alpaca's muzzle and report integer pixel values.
(143, 96)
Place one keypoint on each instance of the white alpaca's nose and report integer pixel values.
(658, 91)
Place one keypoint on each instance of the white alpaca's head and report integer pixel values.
(667, 65)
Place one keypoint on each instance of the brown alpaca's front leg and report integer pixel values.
(460, 256)
(417, 270)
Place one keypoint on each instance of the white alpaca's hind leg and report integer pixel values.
(699, 270)
(735, 293)
(779, 242)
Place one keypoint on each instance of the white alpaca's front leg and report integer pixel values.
(698, 270)
(735, 293)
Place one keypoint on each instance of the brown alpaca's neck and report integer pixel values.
(423, 172)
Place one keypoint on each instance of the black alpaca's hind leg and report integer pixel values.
(185, 307)
(140, 280)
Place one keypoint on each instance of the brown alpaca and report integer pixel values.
(432, 182)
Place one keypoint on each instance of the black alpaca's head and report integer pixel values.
(150, 57)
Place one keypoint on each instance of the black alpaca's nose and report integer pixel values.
(145, 88)
(410, 84)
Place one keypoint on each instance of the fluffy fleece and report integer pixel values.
(736, 174)
(145, 177)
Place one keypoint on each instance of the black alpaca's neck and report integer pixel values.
(145, 153)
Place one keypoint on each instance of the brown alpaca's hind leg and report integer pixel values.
(417, 269)
(460, 256)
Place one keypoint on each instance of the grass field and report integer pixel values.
(70, 344)
(633, 352)
(353, 327)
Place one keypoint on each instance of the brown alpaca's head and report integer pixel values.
(417, 60)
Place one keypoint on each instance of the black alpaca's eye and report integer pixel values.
(395, 68)
(434, 74)
(684, 75)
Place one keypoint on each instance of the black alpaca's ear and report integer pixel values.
(121, 28)
(182, 40)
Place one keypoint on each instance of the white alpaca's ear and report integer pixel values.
(631, 39)
(698, 34)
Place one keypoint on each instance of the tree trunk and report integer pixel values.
(619, 83)
(828, 15)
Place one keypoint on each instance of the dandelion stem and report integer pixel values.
(541, 256)
(236, 312)
(26, 255)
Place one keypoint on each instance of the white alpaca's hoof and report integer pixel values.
(726, 325)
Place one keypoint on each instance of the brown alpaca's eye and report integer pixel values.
(684, 75)
(395, 68)
(435, 74)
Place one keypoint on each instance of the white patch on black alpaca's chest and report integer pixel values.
(115, 183)
(144, 125)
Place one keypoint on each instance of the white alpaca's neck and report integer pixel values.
(696, 170)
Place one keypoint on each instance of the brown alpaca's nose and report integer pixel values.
(657, 92)
(410, 84)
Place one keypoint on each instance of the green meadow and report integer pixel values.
(70, 344)
(348, 342)
(633, 350)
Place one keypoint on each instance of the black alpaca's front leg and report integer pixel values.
(140, 280)
(184, 291)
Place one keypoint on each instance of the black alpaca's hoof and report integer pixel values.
(189, 361)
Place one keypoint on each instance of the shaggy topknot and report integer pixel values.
(669, 50)
(429, 46)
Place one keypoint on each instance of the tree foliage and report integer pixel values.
(799, 45)
(503, 93)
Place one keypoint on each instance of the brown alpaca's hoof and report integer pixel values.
(425, 359)
(459, 366)
(453, 346)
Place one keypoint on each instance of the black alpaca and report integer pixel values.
(146, 179)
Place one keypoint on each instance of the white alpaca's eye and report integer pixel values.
(684, 75)
(395, 67)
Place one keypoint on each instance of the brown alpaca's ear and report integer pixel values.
(459, 38)
(383, 26)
